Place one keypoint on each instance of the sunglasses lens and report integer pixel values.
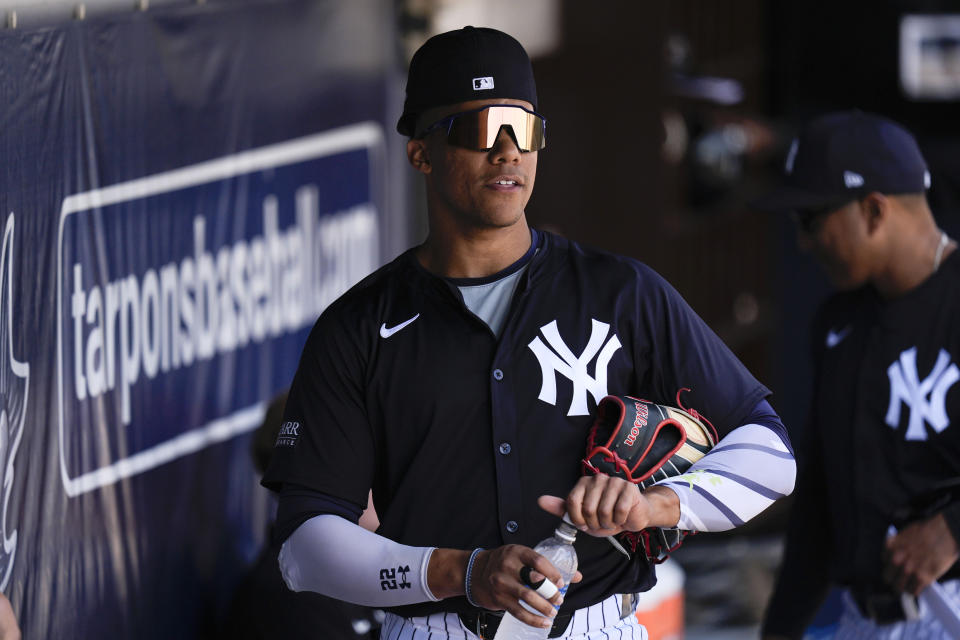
(805, 219)
(808, 220)
(478, 130)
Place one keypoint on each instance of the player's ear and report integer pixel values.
(418, 155)
(875, 207)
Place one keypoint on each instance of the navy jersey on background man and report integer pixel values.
(881, 449)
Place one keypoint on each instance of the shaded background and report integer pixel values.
(665, 119)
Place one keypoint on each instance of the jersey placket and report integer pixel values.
(867, 476)
(504, 428)
(844, 380)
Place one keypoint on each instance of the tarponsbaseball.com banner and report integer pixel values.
(158, 297)
(182, 193)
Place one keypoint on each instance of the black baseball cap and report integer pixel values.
(472, 63)
(843, 156)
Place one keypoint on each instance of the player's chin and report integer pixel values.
(844, 279)
(502, 217)
(846, 284)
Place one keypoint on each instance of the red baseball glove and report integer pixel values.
(643, 442)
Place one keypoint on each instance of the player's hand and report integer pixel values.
(496, 584)
(9, 630)
(919, 554)
(603, 505)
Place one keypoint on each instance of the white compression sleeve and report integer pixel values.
(743, 475)
(333, 556)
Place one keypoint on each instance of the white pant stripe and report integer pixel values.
(600, 621)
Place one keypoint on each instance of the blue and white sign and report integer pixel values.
(183, 191)
(168, 283)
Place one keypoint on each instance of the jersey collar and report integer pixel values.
(503, 273)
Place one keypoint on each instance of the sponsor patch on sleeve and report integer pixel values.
(289, 434)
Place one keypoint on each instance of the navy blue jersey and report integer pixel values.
(402, 389)
(887, 392)
(883, 443)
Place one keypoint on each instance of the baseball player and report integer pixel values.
(458, 383)
(883, 447)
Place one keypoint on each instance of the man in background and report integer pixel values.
(882, 448)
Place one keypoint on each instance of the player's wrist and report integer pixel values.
(664, 507)
(446, 572)
(951, 517)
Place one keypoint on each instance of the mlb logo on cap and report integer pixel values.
(460, 66)
(479, 84)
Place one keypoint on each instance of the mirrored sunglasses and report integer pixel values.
(478, 129)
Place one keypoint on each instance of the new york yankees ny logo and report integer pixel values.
(562, 360)
(926, 398)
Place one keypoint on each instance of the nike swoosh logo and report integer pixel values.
(835, 337)
(386, 333)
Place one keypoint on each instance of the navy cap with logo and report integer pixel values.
(473, 63)
(843, 156)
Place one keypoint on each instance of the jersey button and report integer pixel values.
(497, 374)
(512, 526)
(505, 448)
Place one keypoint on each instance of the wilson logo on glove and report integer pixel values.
(644, 442)
(638, 423)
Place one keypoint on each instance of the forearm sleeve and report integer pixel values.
(329, 555)
(744, 474)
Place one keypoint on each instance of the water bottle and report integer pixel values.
(558, 549)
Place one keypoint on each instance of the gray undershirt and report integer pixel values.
(491, 301)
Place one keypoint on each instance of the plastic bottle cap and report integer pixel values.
(567, 531)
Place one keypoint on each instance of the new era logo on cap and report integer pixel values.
(479, 84)
(852, 179)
